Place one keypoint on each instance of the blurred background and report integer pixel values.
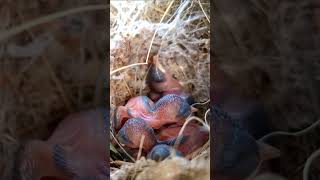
(47, 71)
(271, 48)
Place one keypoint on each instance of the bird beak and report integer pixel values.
(267, 152)
(193, 109)
(120, 115)
(157, 64)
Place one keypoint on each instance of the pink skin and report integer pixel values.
(196, 136)
(130, 136)
(165, 111)
(161, 82)
(81, 138)
(137, 106)
(169, 86)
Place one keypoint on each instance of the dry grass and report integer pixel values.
(169, 169)
(267, 66)
(179, 33)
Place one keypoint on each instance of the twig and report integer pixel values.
(198, 29)
(184, 126)
(276, 133)
(205, 116)
(308, 164)
(122, 147)
(140, 147)
(197, 153)
(200, 103)
(313, 155)
(144, 80)
(125, 67)
(203, 11)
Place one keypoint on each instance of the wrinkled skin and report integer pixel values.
(161, 82)
(169, 109)
(196, 135)
(75, 150)
(139, 106)
(130, 137)
(132, 132)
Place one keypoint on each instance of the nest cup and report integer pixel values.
(178, 33)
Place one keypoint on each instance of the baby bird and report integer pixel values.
(169, 109)
(237, 154)
(130, 136)
(139, 106)
(76, 149)
(162, 151)
(238, 121)
(197, 136)
(162, 82)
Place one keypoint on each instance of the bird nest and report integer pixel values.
(49, 69)
(178, 32)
